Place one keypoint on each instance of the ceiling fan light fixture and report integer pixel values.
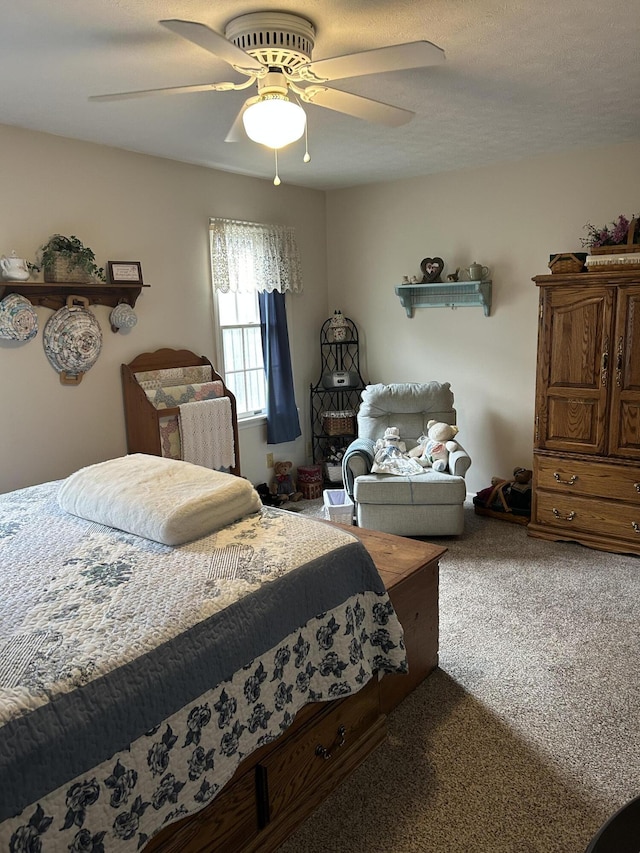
(274, 121)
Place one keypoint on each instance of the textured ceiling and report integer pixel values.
(521, 78)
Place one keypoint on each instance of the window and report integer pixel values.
(252, 267)
(241, 350)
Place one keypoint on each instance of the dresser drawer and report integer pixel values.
(320, 755)
(588, 515)
(600, 479)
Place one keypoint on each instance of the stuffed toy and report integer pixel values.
(508, 496)
(391, 455)
(283, 484)
(391, 439)
(433, 449)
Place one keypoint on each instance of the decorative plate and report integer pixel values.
(72, 341)
(18, 318)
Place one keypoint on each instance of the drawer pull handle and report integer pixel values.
(569, 517)
(635, 526)
(572, 479)
(341, 738)
(636, 486)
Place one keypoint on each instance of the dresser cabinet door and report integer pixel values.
(574, 368)
(624, 434)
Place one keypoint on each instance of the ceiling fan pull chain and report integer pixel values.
(307, 156)
(276, 180)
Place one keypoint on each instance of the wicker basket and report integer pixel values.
(622, 249)
(311, 491)
(567, 262)
(61, 272)
(339, 423)
(309, 481)
(338, 506)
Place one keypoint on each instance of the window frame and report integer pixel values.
(254, 414)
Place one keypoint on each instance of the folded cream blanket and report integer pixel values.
(162, 499)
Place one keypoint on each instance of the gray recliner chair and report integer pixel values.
(426, 504)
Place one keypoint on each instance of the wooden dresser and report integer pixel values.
(586, 472)
(279, 785)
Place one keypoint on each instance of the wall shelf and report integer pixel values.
(450, 294)
(54, 295)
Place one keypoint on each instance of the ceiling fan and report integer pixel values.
(273, 51)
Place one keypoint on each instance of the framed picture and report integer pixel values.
(125, 272)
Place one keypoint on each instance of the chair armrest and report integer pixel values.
(357, 460)
(459, 462)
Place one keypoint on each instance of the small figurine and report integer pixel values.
(414, 279)
(453, 276)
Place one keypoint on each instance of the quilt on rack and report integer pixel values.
(173, 396)
(135, 676)
(206, 433)
(171, 376)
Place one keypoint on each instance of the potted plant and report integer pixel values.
(68, 259)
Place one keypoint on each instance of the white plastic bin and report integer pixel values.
(338, 506)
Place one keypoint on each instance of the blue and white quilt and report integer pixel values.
(135, 676)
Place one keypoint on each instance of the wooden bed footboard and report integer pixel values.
(279, 785)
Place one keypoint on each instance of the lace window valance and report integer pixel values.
(249, 256)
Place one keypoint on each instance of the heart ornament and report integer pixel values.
(431, 269)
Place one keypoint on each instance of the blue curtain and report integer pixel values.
(283, 423)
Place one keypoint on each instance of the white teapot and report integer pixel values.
(13, 268)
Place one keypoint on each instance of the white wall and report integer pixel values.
(127, 206)
(509, 217)
(133, 207)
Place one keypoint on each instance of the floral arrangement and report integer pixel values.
(334, 455)
(609, 235)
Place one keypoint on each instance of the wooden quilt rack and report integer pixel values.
(141, 416)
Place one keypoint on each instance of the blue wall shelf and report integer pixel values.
(450, 294)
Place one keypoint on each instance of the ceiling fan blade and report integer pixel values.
(395, 57)
(215, 43)
(236, 131)
(170, 90)
(356, 105)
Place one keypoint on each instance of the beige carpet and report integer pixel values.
(527, 737)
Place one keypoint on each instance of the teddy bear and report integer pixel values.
(283, 484)
(433, 449)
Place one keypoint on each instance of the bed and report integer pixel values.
(139, 679)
